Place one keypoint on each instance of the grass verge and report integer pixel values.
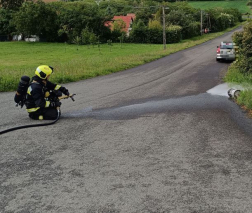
(236, 77)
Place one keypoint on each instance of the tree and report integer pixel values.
(11, 4)
(6, 27)
(88, 37)
(243, 39)
(37, 19)
(154, 24)
(144, 15)
(93, 39)
(118, 25)
(139, 32)
(114, 7)
(178, 17)
(77, 41)
(76, 16)
(85, 36)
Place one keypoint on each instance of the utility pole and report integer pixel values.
(201, 22)
(164, 34)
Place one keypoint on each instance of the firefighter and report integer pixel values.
(42, 95)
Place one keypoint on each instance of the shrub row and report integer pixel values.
(155, 35)
(243, 39)
(83, 22)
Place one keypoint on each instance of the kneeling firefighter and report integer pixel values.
(42, 95)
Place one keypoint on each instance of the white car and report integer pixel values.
(226, 51)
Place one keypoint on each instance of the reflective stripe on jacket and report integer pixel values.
(36, 94)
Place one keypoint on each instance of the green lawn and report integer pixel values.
(73, 63)
(240, 5)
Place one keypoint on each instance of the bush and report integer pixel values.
(249, 3)
(178, 17)
(88, 37)
(225, 21)
(244, 41)
(193, 29)
(173, 34)
(139, 32)
(221, 18)
(33, 18)
(155, 36)
(154, 24)
(235, 13)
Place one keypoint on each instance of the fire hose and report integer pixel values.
(44, 124)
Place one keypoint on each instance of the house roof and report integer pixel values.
(126, 19)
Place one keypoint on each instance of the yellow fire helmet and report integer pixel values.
(43, 71)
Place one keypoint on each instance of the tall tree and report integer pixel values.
(6, 27)
(37, 19)
(73, 17)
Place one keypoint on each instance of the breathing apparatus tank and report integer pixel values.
(20, 95)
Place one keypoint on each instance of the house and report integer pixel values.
(128, 20)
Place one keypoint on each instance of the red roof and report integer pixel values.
(126, 19)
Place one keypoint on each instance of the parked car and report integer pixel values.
(226, 51)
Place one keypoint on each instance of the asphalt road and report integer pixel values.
(145, 140)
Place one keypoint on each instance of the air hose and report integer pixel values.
(33, 125)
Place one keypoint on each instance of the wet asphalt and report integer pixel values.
(152, 139)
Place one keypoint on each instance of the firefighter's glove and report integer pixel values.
(65, 91)
(55, 104)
